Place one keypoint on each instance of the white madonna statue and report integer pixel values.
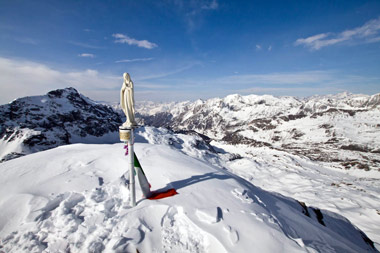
(127, 101)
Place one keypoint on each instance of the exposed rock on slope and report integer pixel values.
(60, 117)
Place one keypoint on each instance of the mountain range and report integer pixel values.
(342, 129)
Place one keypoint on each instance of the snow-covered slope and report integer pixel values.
(342, 129)
(63, 116)
(74, 199)
(290, 146)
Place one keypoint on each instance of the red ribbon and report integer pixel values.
(126, 149)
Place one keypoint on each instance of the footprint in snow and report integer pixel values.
(233, 235)
(110, 207)
(209, 215)
(180, 234)
(99, 195)
(242, 195)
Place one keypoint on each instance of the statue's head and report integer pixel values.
(127, 77)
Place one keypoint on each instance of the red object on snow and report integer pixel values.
(161, 195)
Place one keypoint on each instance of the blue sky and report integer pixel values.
(184, 50)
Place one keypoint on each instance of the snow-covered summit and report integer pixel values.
(60, 117)
(343, 100)
(74, 199)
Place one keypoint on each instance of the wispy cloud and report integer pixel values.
(197, 7)
(300, 84)
(134, 60)
(259, 47)
(86, 55)
(167, 73)
(305, 77)
(85, 45)
(374, 40)
(299, 79)
(121, 38)
(290, 91)
(192, 11)
(20, 78)
(367, 33)
(154, 86)
(29, 41)
(213, 5)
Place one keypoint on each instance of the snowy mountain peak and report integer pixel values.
(63, 92)
(374, 101)
(232, 98)
(60, 117)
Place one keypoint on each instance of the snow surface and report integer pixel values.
(75, 198)
(351, 193)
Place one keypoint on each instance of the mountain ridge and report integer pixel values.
(60, 117)
(340, 128)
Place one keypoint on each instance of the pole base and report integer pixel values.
(125, 134)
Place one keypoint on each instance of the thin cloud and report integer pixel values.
(367, 33)
(86, 55)
(374, 40)
(134, 60)
(85, 45)
(124, 39)
(290, 91)
(305, 77)
(154, 86)
(306, 83)
(29, 41)
(25, 78)
(21, 78)
(193, 11)
(168, 73)
(210, 6)
(258, 47)
(284, 80)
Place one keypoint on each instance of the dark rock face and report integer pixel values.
(60, 117)
(235, 139)
(161, 119)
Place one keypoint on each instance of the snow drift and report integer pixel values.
(74, 198)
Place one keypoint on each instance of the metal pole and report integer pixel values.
(132, 188)
(127, 103)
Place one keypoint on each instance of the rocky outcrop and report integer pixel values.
(60, 117)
